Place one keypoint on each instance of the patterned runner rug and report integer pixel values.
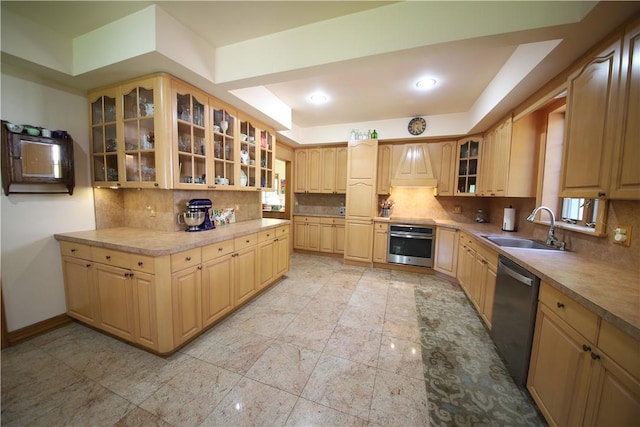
(467, 382)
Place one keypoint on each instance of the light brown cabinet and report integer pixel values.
(468, 166)
(380, 242)
(162, 302)
(625, 176)
(495, 160)
(361, 200)
(321, 170)
(384, 169)
(446, 256)
(583, 369)
(332, 235)
(412, 166)
(273, 256)
(590, 125)
(448, 160)
(306, 232)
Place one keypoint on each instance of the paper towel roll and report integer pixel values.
(509, 219)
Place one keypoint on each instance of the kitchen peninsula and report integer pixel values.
(159, 289)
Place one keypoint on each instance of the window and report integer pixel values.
(580, 211)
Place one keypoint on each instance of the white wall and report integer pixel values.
(30, 265)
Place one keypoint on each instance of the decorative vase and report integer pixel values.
(386, 212)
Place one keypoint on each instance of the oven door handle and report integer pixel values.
(411, 236)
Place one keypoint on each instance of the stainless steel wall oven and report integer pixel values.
(411, 245)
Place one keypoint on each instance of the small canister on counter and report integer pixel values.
(481, 216)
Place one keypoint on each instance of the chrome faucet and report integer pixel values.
(551, 237)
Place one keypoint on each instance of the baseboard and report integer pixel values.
(23, 334)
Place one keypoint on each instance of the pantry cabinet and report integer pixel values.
(583, 369)
(590, 125)
(625, 173)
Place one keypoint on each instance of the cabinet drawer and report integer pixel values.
(245, 241)
(381, 226)
(308, 219)
(185, 259)
(621, 347)
(110, 257)
(578, 317)
(283, 230)
(76, 250)
(144, 263)
(333, 221)
(269, 234)
(216, 250)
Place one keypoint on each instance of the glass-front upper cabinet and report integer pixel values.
(104, 138)
(249, 176)
(190, 109)
(139, 125)
(267, 159)
(468, 166)
(223, 130)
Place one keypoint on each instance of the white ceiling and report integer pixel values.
(365, 55)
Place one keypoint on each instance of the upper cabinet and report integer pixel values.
(468, 166)
(159, 132)
(448, 160)
(321, 170)
(590, 125)
(384, 169)
(412, 166)
(129, 136)
(625, 176)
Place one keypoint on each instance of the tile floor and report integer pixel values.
(329, 345)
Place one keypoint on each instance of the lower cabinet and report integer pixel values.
(320, 234)
(380, 242)
(476, 272)
(306, 231)
(446, 256)
(359, 240)
(583, 370)
(162, 302)
(332, 235)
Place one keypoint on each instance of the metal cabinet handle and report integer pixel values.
(560, 304)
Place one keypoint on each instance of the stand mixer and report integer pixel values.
(196, 217)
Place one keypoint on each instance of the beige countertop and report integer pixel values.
(609, 291)
(158, 243)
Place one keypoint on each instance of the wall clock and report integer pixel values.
(417, 125)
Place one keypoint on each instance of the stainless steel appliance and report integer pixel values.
(411, 245)
(197, 217)
(514, 316)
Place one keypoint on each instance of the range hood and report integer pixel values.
(412, 167)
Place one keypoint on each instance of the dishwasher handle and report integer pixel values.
(519, 277)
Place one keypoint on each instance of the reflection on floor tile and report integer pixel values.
(329, 345)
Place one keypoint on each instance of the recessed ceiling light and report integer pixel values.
(318, 98)
(426, 83)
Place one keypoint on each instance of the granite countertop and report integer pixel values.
(607, 290)
(158, 243)
(319, 215)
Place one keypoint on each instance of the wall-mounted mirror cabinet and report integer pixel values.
(33, 164)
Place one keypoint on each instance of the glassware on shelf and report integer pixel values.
(224, 125)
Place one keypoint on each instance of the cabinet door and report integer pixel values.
(267, 158)
(460, 270)
(447, 168)
(446, 256)
(186, 293)
(313, 236)
(614, 395)
(361, 180)
(300, 235)
(246, 274)
(384, 169)
(469, 262)
(249, 161)
(79, 289)
(339, 242)
(314, 171)
(625, 172)
(559, 369)
(590, 126)
(341, 170)
(328, 172)
(489, 294)
(217, 290)
(327, 237)
(222, 131)
(358, 240)
(144, 309)
(104, 112)
(267, 259)
(300, 166)
(282, 250)
(380, 242)
(468, 166)
(115, 297)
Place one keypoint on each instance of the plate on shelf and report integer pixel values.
(243, 178)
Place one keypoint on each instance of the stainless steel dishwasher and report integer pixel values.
(514, 316)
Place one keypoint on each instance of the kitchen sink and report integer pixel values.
(519, 242)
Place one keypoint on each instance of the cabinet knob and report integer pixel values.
(73, 250)
(586, 347)
(220, 249)
(595, 356)
(140, 263)
(601, 194)
(199, 267)
(88, 265)
(247, 241)
(108, 257)
(560, 304)
(188, 258)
